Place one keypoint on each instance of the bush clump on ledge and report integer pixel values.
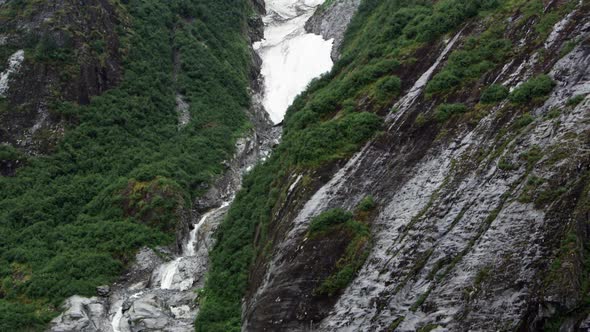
(537, 87)
(494, 93)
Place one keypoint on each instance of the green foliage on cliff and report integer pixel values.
(328, 219)
(351, 260)
(575, 100)
(535, 88)
(494, 93)
(338, 223)
(478, 56)
(445, 111)
(72, 220)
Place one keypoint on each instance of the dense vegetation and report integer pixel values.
(536, 87)
(445, 111)
(72, 220)
(340, 224)
(328, 122)
(494, 93)
(478, 56)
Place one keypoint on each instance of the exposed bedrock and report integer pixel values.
(457, 244)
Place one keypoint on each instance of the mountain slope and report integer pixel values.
(474, 186)
(123, 168)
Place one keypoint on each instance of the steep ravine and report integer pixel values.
(159, 292)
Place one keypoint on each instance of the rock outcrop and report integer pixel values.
(331, 20)
(66, 52)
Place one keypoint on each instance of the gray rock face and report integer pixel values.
(457, 246)
(82, 314)
(28, 124)
(331, 22)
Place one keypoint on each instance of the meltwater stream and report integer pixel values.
(170, 270)
(171, 283)
(291, 57)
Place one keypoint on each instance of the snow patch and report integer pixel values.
(291, 58)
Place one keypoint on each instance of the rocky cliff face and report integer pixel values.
(480, 223)
(54, 52)
(331, 20)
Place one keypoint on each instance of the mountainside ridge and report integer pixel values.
(477, 202)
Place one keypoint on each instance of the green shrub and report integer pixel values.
(445, 111)
(567, 47)
(576, 100)
(524, 120)
(7, 152)
(336, 223)
(444, 81)
(327, 219)
(477, 57)
(553, 113)
(536, 87)
(366, 204)
(388, 88)
(494, 93)
(421, 120)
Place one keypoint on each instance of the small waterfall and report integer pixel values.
(116, 322)
(172, 276)
(170, 270)
(189, 249)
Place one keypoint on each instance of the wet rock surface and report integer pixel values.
(457, 245)
(83, 314)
